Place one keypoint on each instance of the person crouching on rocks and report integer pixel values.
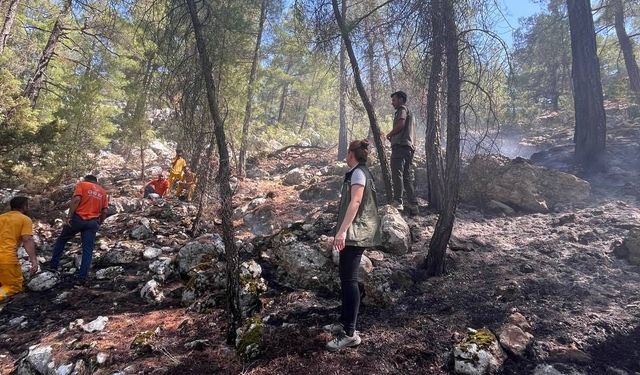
(358, 229)
(157, 187)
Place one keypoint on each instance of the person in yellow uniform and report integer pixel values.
(187, 183)
(15, 228)
(176, 170)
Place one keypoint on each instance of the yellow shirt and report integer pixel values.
(13, 225)
(178, 166)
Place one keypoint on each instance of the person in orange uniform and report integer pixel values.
(177, 168)
(188, 183)
(15, 228)
(87, 211)
(158, 186)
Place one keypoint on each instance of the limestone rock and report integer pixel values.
(546, 370)
(519, 320)
(256, 173)
(118, 257)
(43, 281)
(303, 264)
(366, 266)
(199, 251)
(478, 354)
(249, 338)
(396, 235)
(65, 369)
(109, 272)
(39, 357)
(96, 325)
(263, 221)
(141, 232)
(151, 253)
(124, 204)
(514, 339)
(521, 185)
(295, 176)
(250, 269)
(152, 292)
(162, 267)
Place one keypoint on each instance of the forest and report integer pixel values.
(307, 186)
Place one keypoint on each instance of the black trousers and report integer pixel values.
(349, 265)
(402, 174)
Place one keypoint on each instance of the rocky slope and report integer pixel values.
(537, 283)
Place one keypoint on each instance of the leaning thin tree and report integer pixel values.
(591, 126)
(224, 174)
(373, 121)
(435, 261)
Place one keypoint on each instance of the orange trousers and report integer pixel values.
(173, 178)
(10, 280)
(190, 188)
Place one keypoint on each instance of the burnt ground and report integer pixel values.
(557, 269)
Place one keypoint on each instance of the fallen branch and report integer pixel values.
(298, 147)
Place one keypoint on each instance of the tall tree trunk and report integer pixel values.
(285, 90)
(140, 109)
(435, 168)
(342, 135)
(626, 45)
(435, 262)
(373, 122)
(371, 61)
(224, 174)
(554, 92)
(387, 61)
(12, 10)
(303, 123)
(252, 79)
(590, 127)
(32, 90)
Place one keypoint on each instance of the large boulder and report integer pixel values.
(305, 265)
(519, 184)
(263, 221)
(199, 251)
(207, 286)
(385, 284)
(294, 177)
(396, 235)
(478, 354)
